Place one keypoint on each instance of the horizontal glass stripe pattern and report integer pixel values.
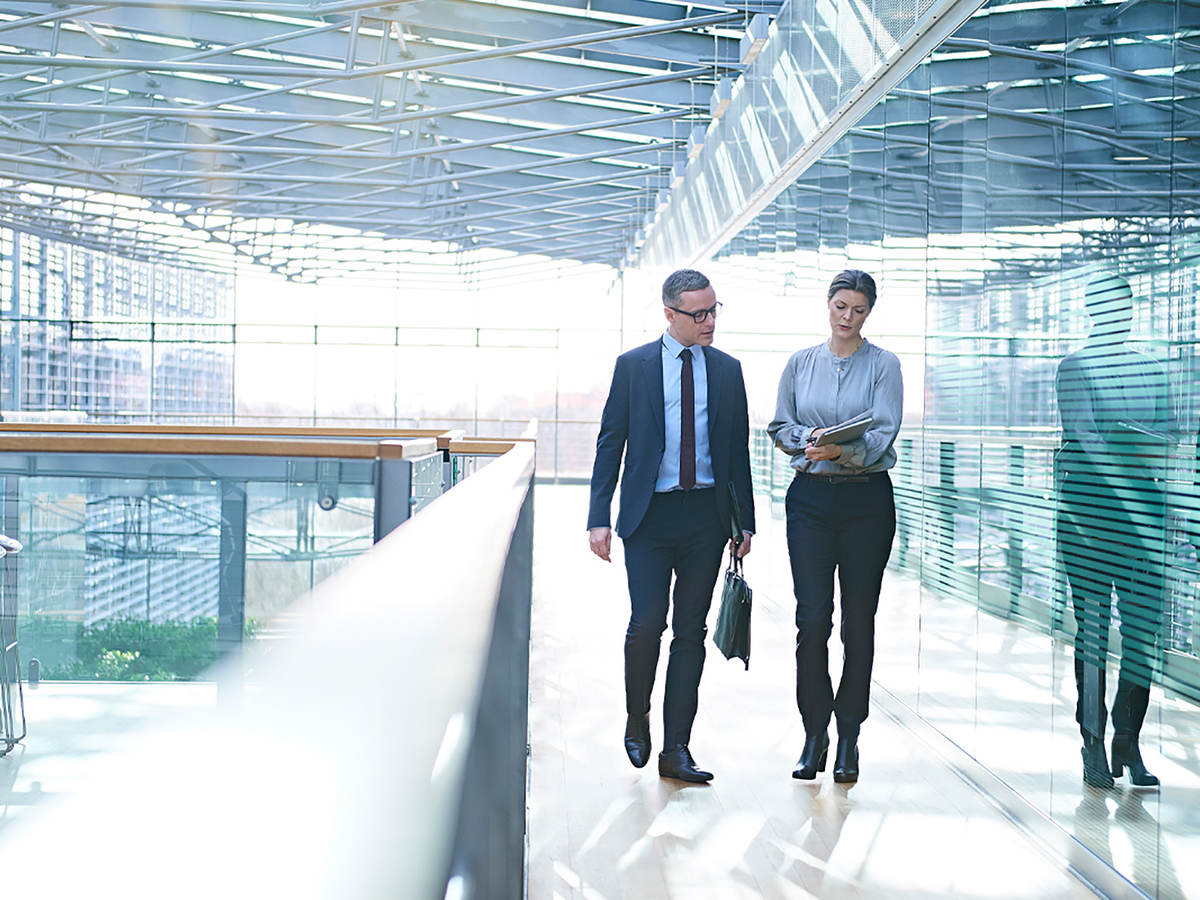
(1029, 200)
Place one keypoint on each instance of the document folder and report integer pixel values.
(847, 431)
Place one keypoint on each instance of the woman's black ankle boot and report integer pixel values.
(812, 757)
(1126, 755)
(845, 761)
(1095, 766)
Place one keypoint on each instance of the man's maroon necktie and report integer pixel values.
(687, 429)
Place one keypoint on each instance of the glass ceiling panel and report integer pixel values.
(317, 138)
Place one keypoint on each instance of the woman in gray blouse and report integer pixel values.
(840, 514)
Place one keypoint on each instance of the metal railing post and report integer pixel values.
(231, 602)
(11, 525)
(393, 495)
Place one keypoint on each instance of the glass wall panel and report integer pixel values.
(1028, 201)
(354, 381)
(89, 334)
(276, 383)
(147, 567)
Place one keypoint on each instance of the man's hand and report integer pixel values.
(744, 546)
(829, 451)
(600, 540)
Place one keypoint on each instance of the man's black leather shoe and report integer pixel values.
(637, 740)
(845, 761)
(812, 757)
(677, 762)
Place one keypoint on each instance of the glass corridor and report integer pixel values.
(1027, 199)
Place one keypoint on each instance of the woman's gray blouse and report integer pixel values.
(818, 390)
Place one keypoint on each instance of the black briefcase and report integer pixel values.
(732, 635)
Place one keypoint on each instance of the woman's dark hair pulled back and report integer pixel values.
(854, 280)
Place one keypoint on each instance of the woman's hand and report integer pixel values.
(829, 451)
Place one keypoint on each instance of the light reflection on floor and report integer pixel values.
(910, 828)
(75, 727)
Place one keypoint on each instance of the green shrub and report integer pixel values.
(122, 649)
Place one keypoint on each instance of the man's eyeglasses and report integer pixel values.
(701, 315)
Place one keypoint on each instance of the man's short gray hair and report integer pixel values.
(680, 282)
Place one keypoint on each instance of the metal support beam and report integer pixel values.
(231, 603)
(107, 77)
(295, 206)
(58, 15)
(621, 200)
(312, 10)
(300, 149)
(212, 115)
(544, 237)
(214, 200)
(368, 177)
(1074, 61)
(228, 70)
(550, 187)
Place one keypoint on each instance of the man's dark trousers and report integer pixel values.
(681, 533)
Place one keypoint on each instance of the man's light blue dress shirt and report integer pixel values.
(668, 471)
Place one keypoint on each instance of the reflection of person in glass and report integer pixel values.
(840, 514)
(1113, 404)
(1096, 825)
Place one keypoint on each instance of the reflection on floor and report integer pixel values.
(1006, 695)
(74, 728)
(601, 829)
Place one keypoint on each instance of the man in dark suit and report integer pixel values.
(677, 410)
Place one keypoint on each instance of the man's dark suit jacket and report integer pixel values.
(632, 424)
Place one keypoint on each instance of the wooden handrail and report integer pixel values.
(444, 439)
(407, 449)
(216, 446)
(486, 446)
(218, 430)
(451, 439)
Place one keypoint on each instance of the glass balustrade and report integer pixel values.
(148, 566)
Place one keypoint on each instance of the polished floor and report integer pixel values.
(912, 827)
(76, 730)
(954, 688)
